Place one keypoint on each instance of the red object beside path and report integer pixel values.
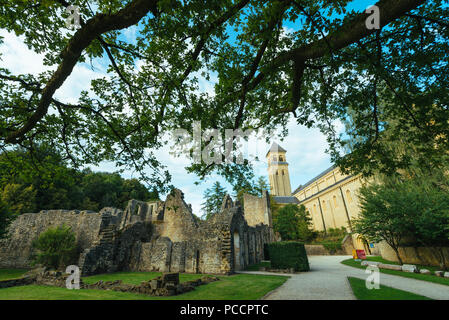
(361, 254)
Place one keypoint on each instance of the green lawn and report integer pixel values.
(235, 287)
(418, 276)
(384, 293)
(7, 274)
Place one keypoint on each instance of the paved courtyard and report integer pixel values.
(327, 280)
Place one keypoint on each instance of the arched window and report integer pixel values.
(275, 159)
(281, 158)
(335, 202)
(283, 172)
(277, 172)
(348, 196)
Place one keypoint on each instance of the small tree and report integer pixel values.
(56, 247)
(293, 223)
(305, 231)
(262, 185)
(412, 206)
(286, 222)
(214, 198)
(386, 213)
(431, 224)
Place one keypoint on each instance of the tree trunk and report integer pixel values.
(396, 250)
(442, 260)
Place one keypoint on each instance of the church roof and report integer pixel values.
(301, 187)
(290, 199)
(276, 148)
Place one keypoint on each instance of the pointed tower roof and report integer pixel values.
(276, 148)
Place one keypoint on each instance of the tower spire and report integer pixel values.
(278, 171)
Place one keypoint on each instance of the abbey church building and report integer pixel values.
(330, 197)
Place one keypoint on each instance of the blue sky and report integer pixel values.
(305, 147)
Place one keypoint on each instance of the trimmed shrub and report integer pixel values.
(56, 247)
(288, 254)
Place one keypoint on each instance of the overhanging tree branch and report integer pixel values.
(94, 27)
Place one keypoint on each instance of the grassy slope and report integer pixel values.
(418, 276)
(384, 293)
(7, 274)
(235, 287)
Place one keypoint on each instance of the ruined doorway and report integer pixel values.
(197, 265)
(237, 262)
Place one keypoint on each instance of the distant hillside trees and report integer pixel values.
(5, 219)
(30, 182)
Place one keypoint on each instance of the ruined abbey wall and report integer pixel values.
(15, 251)
(157, 236)
(257, 210)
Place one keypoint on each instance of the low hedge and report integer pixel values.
(288, 254)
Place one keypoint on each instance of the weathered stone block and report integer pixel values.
(424, 271)
(172, 277)
(390, 266)
(439, 273)
(369, 263)
(155, 284)
(409, 268)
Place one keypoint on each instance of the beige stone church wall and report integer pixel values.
(411, 255)
(327, 203)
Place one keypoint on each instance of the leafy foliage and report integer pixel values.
(5, 219)
(56, 247)
(400, 208)
(250, 187)
(329, 65)
(293, 223)
(54, 185)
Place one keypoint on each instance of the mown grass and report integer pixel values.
(235, 287)
(384, 293)
(418, 276)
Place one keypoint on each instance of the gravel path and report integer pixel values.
(327, 280)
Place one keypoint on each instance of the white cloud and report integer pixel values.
(16, 56)
(19, 59)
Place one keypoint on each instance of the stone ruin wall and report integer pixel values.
(157, 236)
(257, 210)
(15, 251)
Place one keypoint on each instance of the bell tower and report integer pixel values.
(278, 171)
